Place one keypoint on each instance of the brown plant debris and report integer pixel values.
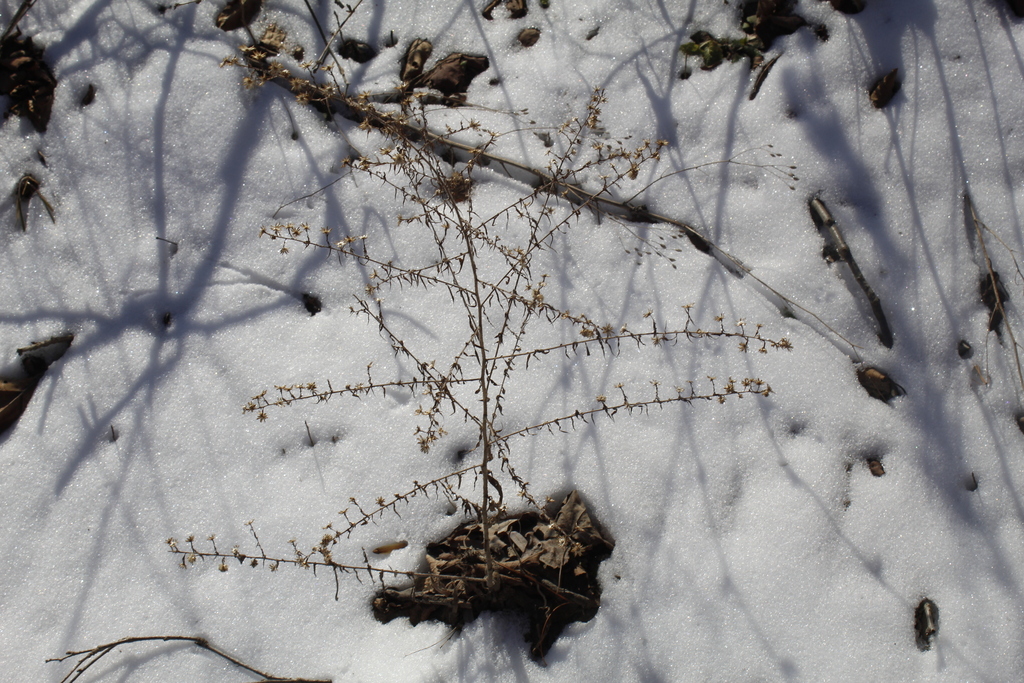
(847, 6)
(238, 13)
(528, 37)
(453, 74)
(875, 467)
(769, 19)
(994, 296)
(27, 188)
(878, 384)
(27, 80)
(884, 88)
(926, 624)
(517, 9)
(312, 303)
(546, 566)
(357, 51)
(15, 394)
(415, 59)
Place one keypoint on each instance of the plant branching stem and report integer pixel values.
(89, 657)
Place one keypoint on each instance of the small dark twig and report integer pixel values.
(26, 5)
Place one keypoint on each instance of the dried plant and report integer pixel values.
(486, 266)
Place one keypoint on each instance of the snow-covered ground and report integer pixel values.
(752, 540)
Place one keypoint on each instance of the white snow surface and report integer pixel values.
(752, 541)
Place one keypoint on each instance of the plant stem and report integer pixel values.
(485, 420)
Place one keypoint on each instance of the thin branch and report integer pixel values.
(978, 228)
(89, 657)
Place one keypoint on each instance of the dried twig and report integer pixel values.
(86, 658)
(979, 230)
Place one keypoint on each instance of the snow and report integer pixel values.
(752, 542)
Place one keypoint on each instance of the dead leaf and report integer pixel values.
(273, 39)
(14, 398)
(878, 384)
(453, 74)
(357, 51)
(926, 624)
(415, 59)
(875, 466)
(238, 13)
(884, 89)
(848, 6)
(15, 394)
(528, 37)
(517, 9)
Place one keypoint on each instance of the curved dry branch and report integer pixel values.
(86, 658)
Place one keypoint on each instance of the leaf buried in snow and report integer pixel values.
(15, 394)
(847, 6)
(994, 296)
(238, 13)
(884, 89)
(926, 624)
(453, 74)
(415, 59)
(357, 51)
(878, 384)
(312, 303)
(14, 398)
(528, 37)
(517, 9)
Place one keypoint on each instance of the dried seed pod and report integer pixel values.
(926, 624)
(389, 547)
